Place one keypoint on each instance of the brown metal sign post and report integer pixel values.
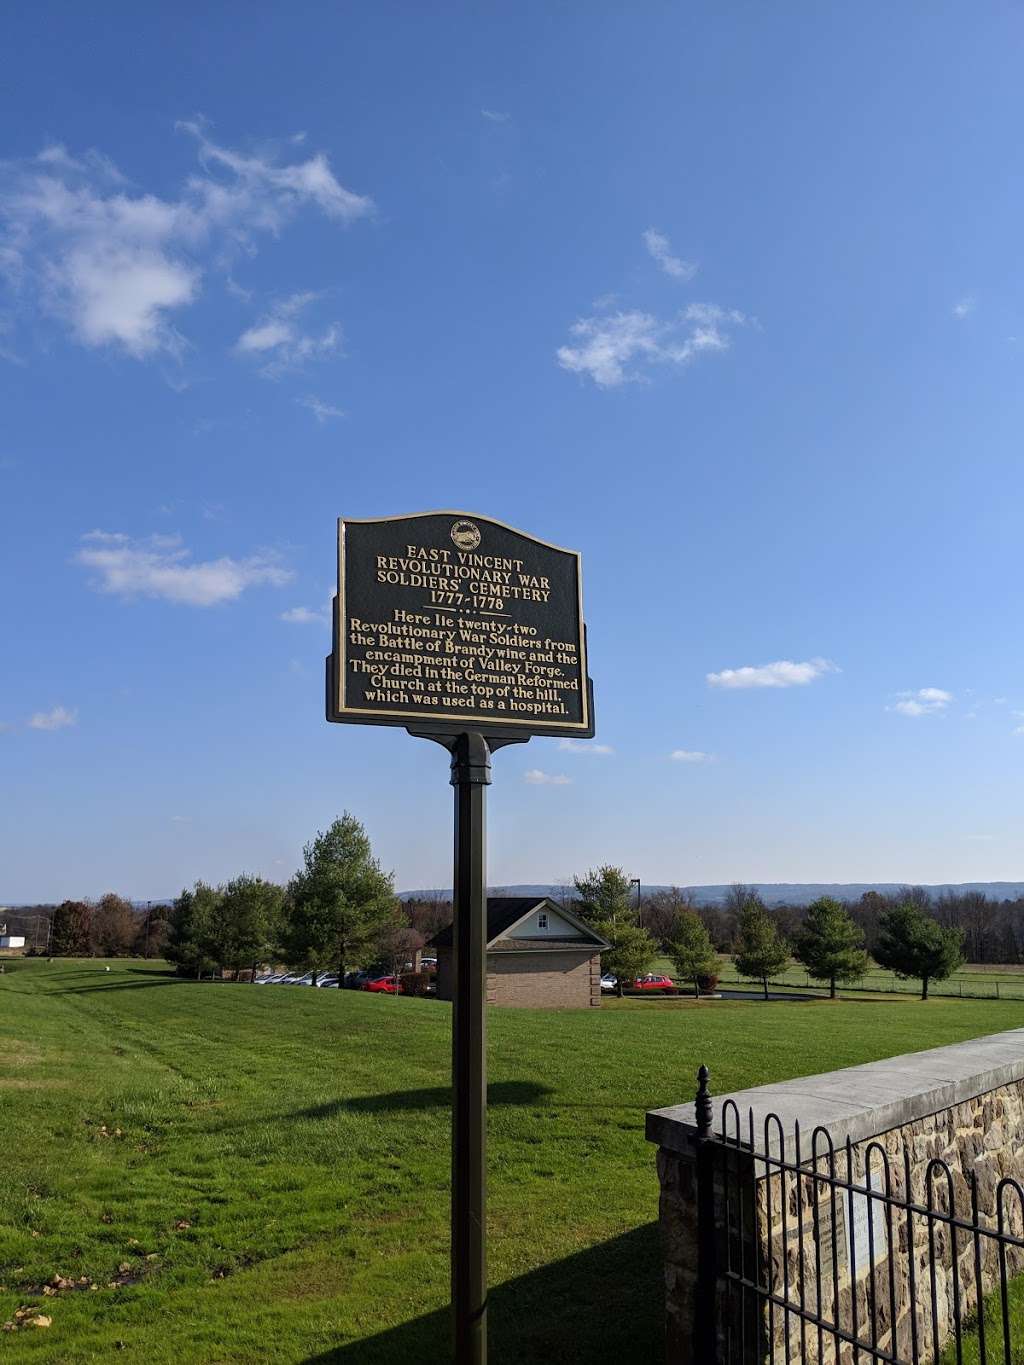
(469, 633)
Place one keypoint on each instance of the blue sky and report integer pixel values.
(730, 299)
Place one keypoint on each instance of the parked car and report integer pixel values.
(355, 981)
(428, 962)
(653, 982)
(383, 985)
(327, 981)
(609, 984)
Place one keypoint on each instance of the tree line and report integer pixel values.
(826, 939)
(338, 912)
(109, 927)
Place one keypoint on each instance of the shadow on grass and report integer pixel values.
(429, 1097)
(104, 985)
(604, 1303)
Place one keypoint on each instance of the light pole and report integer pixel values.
(635, 881)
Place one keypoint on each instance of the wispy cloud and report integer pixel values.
(161, 566)
(279, 341)
(965, 306)
(323, 412)
(541, 779)
(660, 249)
(584, 746)
(926, 701)
(308, 616)
(621, 347)
(59, 718)
(118, 264)
(305, 616)
(691, 756)
(781, 673)
(495, 116)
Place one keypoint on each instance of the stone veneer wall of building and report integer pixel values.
(963, 1104)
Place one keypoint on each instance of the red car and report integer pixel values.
(387, 985)
(652, 982)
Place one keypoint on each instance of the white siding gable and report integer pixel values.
(533, 926)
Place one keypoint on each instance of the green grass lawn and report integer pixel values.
(252, 1173)
(972, 981)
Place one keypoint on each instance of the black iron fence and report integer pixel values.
(877, 1251)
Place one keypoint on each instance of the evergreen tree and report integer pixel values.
(760, 949)
(248, 923)
(631, 952)
(691, 950)
(604, 896)
(192, 933)
(337, 902)
(912, 944)
(830, 945)
(69, 929)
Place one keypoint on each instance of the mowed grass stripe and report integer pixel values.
(302, 1136)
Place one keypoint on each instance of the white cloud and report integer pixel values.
(660, 249)
(614, 349)
(305, 616)
(542, 779)
(118, 264)
(160, 566)
(965, 306)
(495, 115)
(57, 719)
(322, 411)
(926, 701)
(181, 819)
(584, 746)
(691, 756)
(279, 341)
(268, 192)
(782, 673)
(1019, 730)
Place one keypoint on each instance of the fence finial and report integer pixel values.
(704, 1107)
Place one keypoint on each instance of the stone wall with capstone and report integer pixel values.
(963, 1105)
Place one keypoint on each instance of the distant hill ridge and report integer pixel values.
(772, 893)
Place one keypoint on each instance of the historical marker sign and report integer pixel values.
(469, 633)
(453, 621)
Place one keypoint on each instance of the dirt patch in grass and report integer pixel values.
(23, 1083)
(19, 1053)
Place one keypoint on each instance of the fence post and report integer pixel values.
(705, 1336)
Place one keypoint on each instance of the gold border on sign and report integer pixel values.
(474, 718)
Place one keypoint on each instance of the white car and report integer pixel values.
(609, 984)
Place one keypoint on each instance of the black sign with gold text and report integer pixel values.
(454, 621)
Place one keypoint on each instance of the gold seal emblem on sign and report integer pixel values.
(466, 535)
